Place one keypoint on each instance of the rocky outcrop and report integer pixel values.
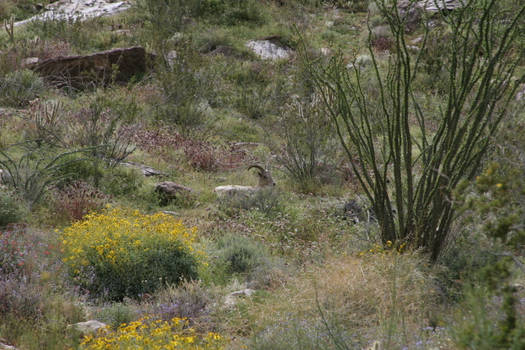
(413, 11)
(94, 69)
(168, 191)
(78, 10)
(269, 48)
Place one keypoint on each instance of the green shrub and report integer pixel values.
(18, 88)
(10, 210)
(308, 150)
(122, 253)
(240, 254)
(121, 181)
(185, 86)
(116, 314)
(189, 300)
(489, 321)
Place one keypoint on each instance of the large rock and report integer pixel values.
(78, 10)
(101, 67)
(89, 327)
(269, 48)
(413, 11)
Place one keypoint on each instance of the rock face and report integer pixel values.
(413, 10)
(81, 71)
(89, 327)
(267, 49)
(78, 10)
(169, 190)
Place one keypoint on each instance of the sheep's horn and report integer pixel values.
(257, 167)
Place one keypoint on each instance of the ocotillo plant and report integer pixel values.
(412, 156)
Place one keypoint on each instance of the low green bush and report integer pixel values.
(116, 314)
(122, 253)
(241, 256)
(10, 209)
(18, 88)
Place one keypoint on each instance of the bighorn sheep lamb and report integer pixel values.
(265, 180)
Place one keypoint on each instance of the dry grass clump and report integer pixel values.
(378, 297)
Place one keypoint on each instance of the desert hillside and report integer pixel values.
(262, 174)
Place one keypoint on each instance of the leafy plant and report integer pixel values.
(122, 253)
(18, 88)
(409, 175)
(240, 254)
(10, 209)
(98, 128)
(307, 149)
(32, 171)
(77, 199)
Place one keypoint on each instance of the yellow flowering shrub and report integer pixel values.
(148, 334)
(121, 252)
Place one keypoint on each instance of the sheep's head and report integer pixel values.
(265, 178)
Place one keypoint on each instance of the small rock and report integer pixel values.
(520, 95)
(29, 61)
(363, 61)
(417, 40)
(169, 212)
(325, 51)
(267, 50)
(123, 32)
(231, 299)
(89, 327)
(169, 190)
(329, 24)
(176, 38)
(170, 57)
(146, 170)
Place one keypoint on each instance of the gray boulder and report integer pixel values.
(168, 191)
(89, 327)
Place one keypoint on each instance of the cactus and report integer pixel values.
(9, 26)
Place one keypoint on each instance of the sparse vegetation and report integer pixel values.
(409, 234)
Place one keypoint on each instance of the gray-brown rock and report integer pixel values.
(520, 95)
(94, 69)
(144, 169)
(413, 11)
(89, 327)
(169, 190)
(269, 48)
